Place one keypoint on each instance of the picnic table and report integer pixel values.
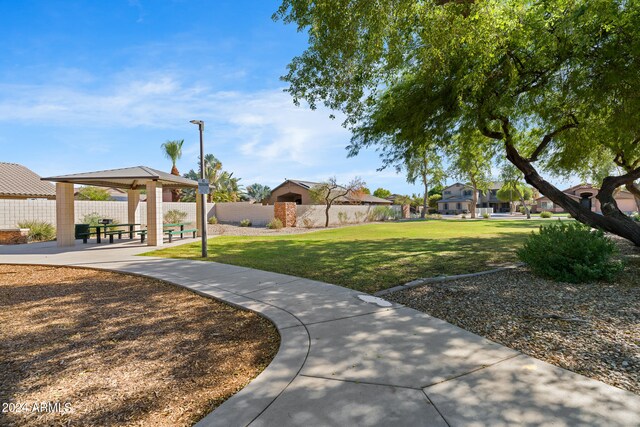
(168, 229)
(99, 231)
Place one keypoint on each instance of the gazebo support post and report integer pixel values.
(133, 206)
(65, 227)
(154, 213)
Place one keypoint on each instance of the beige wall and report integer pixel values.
(315, 214)
(235, 212)
(14, 211)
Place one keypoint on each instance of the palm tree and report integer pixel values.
(173, 152)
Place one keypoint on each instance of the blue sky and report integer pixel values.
(91, 85)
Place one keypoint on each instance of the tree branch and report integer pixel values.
(546, 140)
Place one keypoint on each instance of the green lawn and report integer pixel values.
(374, 256)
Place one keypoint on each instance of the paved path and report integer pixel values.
(347, 362)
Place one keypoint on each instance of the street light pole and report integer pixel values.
(203, 196)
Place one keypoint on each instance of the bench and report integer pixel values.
(86, 236)
(172, 233)
(112, 233)
(169, 233)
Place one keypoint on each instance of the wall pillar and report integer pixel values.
(285, 212)
(154, 213)
(406, 211)
(133, 206)
(65, 226)
(199, 208)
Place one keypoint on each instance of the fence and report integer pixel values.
(13, 212)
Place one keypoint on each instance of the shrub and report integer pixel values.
(307, 223)
(39, 231)
(433, 216)
(570, 252)
(173, 216)
(635, 216)
(545, 214)
(383, 213)
(343, 217)
(275, 224)
(245, 223)
(212, 220)
(486, 215)
(463, 216)
(360, 216)
(92, 219)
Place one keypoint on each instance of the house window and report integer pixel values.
(458, 206)
(446, 206)
(447, 193)
(466, 193)
(546, 205)
(494, 192)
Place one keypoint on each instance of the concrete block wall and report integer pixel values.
(315, 214)
(14, 211)
(235, 212)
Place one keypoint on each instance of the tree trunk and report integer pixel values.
(612, 220)
(526, 208)
(326, 213)
(634, 189)
(425, 201)
(474, 200)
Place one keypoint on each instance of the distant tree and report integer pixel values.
(189, 194)
(515, 192)
(433, 200)
(258, 192)
(93, 193)
(329, 191)
(470, 160)
(402, 200)
(383, 193)
(365, 190)
(425, 165)
(436, 189)
(514, 189)
(173, 151)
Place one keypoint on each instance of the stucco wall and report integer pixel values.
(315, 214)
(235, 212)
(14, 211)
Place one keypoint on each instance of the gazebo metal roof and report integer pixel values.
(129, 178)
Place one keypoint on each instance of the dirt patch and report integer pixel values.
(592, 329)
(119, 349)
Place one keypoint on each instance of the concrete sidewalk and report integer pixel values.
(344, 361)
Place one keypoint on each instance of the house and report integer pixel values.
(19, 182)
(293, 190)
(586, 195)
(458, 198)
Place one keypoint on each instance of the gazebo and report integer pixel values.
(132, 179)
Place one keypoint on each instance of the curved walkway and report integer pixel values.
(348, 360)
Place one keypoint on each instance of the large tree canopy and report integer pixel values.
(554, 84)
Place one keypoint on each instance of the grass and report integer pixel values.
(372, 257)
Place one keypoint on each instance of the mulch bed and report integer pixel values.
(119, 349)
(592, 329)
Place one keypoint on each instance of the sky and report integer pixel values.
(94, 85)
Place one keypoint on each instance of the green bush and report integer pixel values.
(213, 220)
(245, 223)
(545, 214)
(635, 216)
(486, 215)
(275, 224)
(343, 217)
(383, 213)
(39, 231)
(92, 218)
(173, 216)
(570, 252)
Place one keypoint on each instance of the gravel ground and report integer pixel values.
(120, 349)
(592, 329)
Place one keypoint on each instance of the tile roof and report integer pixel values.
(132, 177)
(17, 180)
